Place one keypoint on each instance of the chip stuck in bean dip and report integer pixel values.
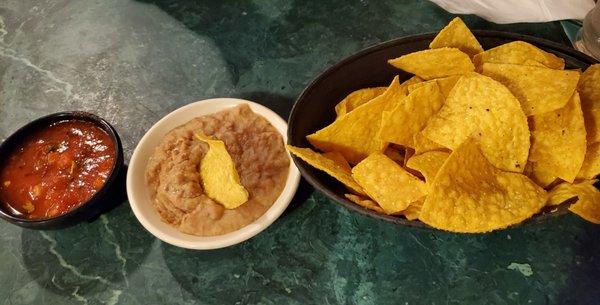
(173, 173)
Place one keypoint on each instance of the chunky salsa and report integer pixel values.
(56, 169)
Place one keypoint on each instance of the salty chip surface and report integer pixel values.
(357, 98)
(391, 186)
(428, 164)
(539, 89)
(354, 135)
(400, 125)
(423, 144)
(558, 143)
(519, 53)
(457, 35)
(365, 203)
(339, 160)
(445, 83)
(587, 205)
(589, 91)
(591, 164)
(220, 179)
(470, 195)
(434, 63)
(480, 105)
(331, 167)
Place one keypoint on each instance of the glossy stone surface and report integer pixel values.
(132, 62)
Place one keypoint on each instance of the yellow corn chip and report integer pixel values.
(428, 164)
(357, 98)
(365, 203)
(408, 153)
(422, 144)
(565, 191)
(355, 134)
(339, 159)
(539, 89)
(434, 63)
(470, 195)
(558, 143)
(587, 205)
(589, 90)
(329, 166)
(362, 96)
(392, 187)
(457, 35)
(519, 53)
(445, 83)
(220, 179)
(409, 82)
(480, 105)
(413, 211)
(410, 116)
(591, 164)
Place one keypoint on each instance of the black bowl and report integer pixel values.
(100, 201)
(314, 109)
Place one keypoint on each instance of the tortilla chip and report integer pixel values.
(409, 82)
(392, 187)
(428, 164)
(589, 90)
(539, 89)
(413, 211)
(320, 162)
(457, 35)
(470, 195)
(408, 118)
(339, 159)
(558, 143)
(480, 105)
(445, 83)
(355, 134)
(519, 53)
(565, 191)
(220, 179)
(434, 63)
(587, 205)
(357, 98)
(422, 144)
(365, 203)
(408, 153)
(591, 164)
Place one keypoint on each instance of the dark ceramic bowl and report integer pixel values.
(101, 201)
(314, 109)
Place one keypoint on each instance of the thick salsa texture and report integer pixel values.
(56, 169)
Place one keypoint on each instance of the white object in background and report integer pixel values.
(512, 11)
(139, 195)
(588, 38)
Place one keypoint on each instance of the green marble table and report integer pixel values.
(132, 62)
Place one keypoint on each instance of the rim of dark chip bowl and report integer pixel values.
(304, 168)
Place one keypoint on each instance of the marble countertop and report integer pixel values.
(132, 62)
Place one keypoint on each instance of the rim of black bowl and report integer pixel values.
(52, 119)
(303, 166)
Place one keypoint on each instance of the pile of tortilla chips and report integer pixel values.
(477, 140)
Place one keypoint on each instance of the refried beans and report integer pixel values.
(173, 174)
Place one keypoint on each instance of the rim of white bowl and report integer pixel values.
(138, 193)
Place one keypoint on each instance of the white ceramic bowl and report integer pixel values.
(139, 195)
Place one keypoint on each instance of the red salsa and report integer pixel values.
(56, 169)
